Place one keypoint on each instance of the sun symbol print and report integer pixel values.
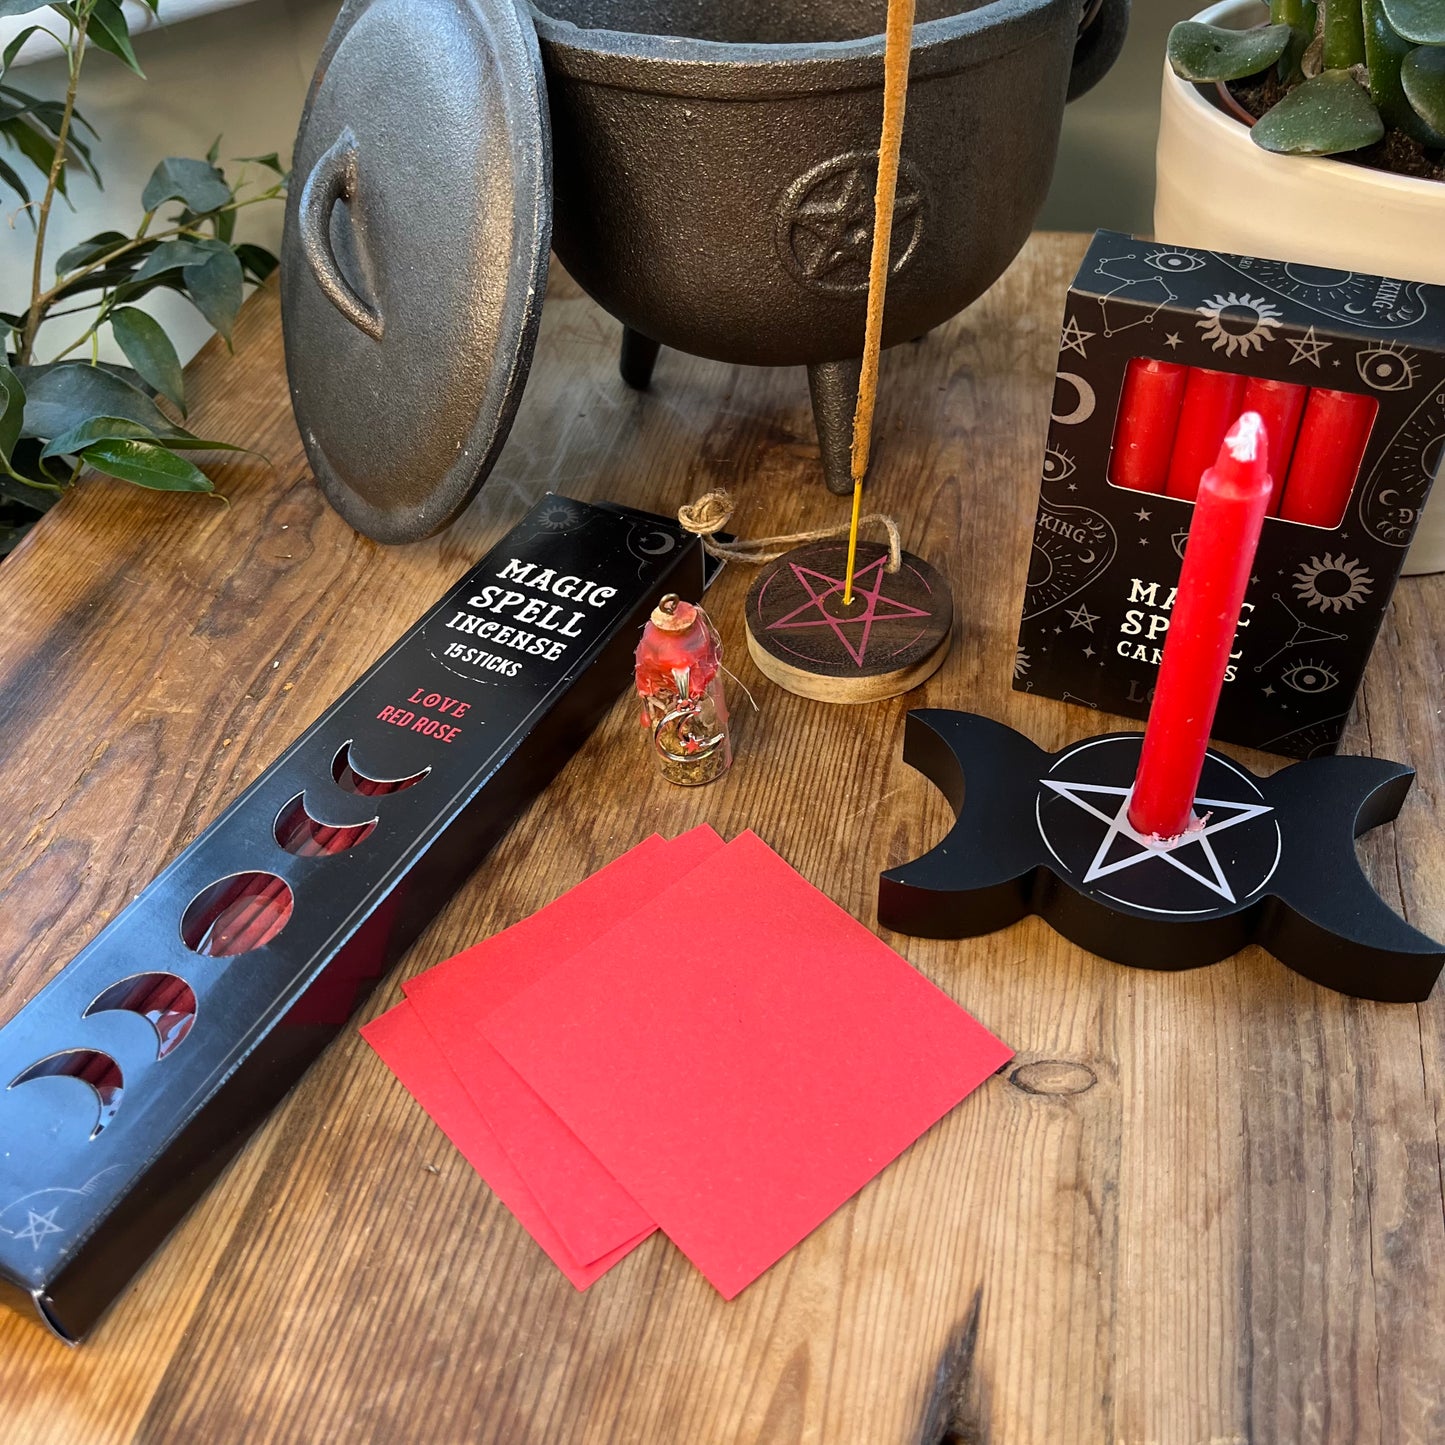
(1333, 583)
(1021, 664)
(1235, 323)
(558, 515)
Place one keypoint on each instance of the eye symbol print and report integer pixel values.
(1310, 677)
(1178, 263)
(1386, 368)
(1058, 465)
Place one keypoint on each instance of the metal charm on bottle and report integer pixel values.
(679, 679)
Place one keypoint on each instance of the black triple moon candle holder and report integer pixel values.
(1273, 863)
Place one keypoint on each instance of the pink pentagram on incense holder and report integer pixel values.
(893, 636)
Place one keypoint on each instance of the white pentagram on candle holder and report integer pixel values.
(1082, 811)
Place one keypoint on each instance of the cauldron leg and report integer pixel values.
(834, 389)
(639, 355)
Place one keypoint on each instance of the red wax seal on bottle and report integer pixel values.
(679, 679)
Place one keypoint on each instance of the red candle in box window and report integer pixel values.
(1211, 403)
(1280, 404)
(1229, 512)
(1147, 420)
(1327, 456)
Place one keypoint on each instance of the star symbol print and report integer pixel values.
(1307, 348)
(37, 1226)
(868, 584)
(1080, 616)
(1122, 848)
(1074, 337)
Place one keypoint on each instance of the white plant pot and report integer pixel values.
(1216, 189)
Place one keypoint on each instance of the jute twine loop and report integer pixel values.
(711, 512)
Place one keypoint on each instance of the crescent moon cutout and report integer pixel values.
(1023, 815)
(1085, 408)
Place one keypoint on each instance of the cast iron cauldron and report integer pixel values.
(714, 163)
(707, 169)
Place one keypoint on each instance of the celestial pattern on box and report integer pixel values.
(1105, 559)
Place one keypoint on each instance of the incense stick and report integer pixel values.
(897, 49)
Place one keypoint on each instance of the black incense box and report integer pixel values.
(1161, 349)
(128, 1082)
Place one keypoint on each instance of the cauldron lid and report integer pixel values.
(415, 255)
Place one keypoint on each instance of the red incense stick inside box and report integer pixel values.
(260, 905)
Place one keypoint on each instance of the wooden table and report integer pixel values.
(1200, 1208)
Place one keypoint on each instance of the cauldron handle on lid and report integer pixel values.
(333, 178)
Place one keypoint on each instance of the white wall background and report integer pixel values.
(242, 73)
(239, 73)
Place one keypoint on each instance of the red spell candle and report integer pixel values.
(1223, 534)
(1148, 418)
(1280, 404)
(1211, 403)
(1327, 456)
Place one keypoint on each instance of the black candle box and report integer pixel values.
(1105, 559)
(465, 720)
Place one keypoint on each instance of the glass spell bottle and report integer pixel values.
(679, 679)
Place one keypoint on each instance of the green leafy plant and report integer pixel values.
(1352, 72)
(71, 411)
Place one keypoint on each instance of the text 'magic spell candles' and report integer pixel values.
(1223, 535)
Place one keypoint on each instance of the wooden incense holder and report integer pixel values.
(893, 637)
(1272, 862)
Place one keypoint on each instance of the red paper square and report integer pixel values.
(592, 1213)
(746, 1060)
(407, 1050)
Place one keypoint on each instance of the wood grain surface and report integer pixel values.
(1200, 1209)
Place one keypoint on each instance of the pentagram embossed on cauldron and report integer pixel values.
(747, 134)
(825, 222)
(705, 172)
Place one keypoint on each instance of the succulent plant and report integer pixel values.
(1352, 71)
